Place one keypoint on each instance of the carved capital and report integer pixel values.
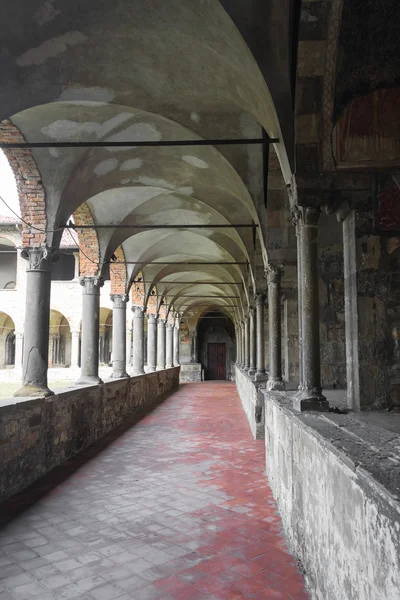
(309, 215)
(119, 300)
(40, 258)
(274, 273)
(138, 312)
(91, 285)
(161, 322)
(152, 318)
(259, 298)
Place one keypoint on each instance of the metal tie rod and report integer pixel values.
(141, 144)
(189, 264)
(163, 282)
(197, 226)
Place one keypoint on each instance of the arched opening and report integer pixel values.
(105, 342)
(8, 264)
(216, 345)
(7, 341)
(59, 340)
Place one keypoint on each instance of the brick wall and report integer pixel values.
(29, 185)
(118, 273)
(138, 291)
(89, 257)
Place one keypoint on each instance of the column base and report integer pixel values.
(310, 400)
(89, 380)
(260, 376)
(33, 391)
(119, 375)
(137, 373)
(151, 369)
(251, 372)
(275, 385)
(160, 369)
(171, 366)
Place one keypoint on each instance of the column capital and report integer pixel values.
(274, 272)
(91, 285)
(152, 318)
(306, 215)
(119, 300)
(169, 325)
(138, 311)
(161, 322)
(259, 297)
(40, 258)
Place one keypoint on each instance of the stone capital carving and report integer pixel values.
(138, 311)
(274, 273)
(161, 322)
(170, 326)
(40, 258)
(91, 285)
(259, 298)
(119, 300)
(152, 318)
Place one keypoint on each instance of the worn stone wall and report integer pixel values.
(252, 402)
(39, 434)
(343, 525)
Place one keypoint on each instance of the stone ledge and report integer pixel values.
(335, 478)
(252, 401)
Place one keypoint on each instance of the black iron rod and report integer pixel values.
(191, 264)
(218, 226)
(190, 282)
(142, 144)
(215, 297)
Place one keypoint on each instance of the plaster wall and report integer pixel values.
(252, 402)
(39, 434)
(336, 484)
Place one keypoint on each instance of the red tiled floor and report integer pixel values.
(175, 507)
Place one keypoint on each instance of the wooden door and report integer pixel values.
(216, 361)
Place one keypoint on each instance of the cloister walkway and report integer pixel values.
(175, 506)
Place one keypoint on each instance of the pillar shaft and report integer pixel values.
(90, 330)
(243, 349)
(310, 397)
(151, 342)
(275, 381)
(75, 335)
(169, 346)
(37, 321)
(297, 224)
(129, 345)
(247, 343)
(176, 342)
(161, 342)
(260, 335)
(238, 346)
(138, 341)
(253, 342)
(119, 336)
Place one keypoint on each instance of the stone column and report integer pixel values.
(169, 346)
(138, 341)
(246, 343)
(19, 345)
(129, 345)
(238, 346)
(37, 318)
(176, 341)
(296, 223)
(119, 336)
(76, 265)
(275, 381)
(193, 347)
(152, 342)
(75, 349)
(260, 373)
(161, 339)
(90, 330)
(243, 348)
(310, 396)
(253, 342)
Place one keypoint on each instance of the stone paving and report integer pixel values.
(174, 507)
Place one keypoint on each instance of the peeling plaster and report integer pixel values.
(106, 166)
(131, 164)
(195, 117)
(195, 161)
(162, 183)
(65, 129)
(46, 13)
(50, 48)
(87, 94)
(124, 181)
(54, 152)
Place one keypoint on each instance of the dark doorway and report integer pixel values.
(216, 361)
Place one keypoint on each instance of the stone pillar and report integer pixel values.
(243, 348)
(176, 341)
(310, 396)
(75, 349)
(37, 321)
(152, 342)
(161, 344)
(253, 342)
(76, 265)
(260, 373)
(246, 343)
(129, 345)
(275, 381)
(169, 346)
(193, 349)
(296, 222)
(238, 345)
(138, 341)
(19, 345)
(119, 336)
(90, 330)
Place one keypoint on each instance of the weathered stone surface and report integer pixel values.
(190, 372)
(252, 401)
(337, 485)
(37, 435)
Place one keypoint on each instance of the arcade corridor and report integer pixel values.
(174, 507)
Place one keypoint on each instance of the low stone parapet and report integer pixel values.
(38, 434)
(252, 401)
(190, 372)
(336, 481)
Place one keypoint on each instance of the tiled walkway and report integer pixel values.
(174, 507)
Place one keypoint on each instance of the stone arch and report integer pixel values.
(7, 341)
(28, 180)
(59, 340)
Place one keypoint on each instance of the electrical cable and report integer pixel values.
(29, 224)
